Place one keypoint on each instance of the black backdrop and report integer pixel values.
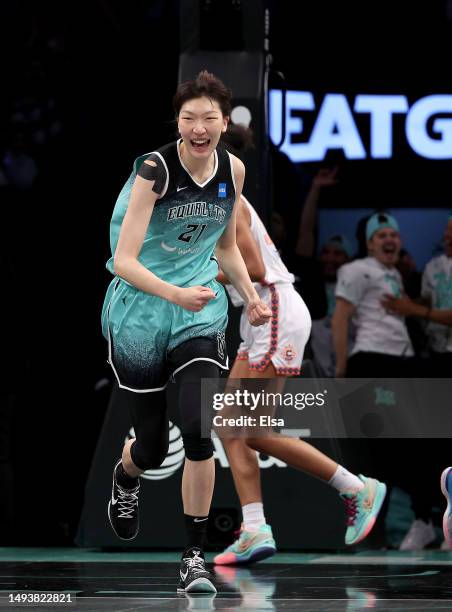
(109, 69)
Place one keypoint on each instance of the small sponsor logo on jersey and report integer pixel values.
(180, 188)
(168, 248)
(288, 353)
(196, 209)
(188, 250)
(222, 190)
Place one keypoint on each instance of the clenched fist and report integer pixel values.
(258, 313)
(194, 298)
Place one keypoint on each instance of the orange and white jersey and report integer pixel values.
(276, 272)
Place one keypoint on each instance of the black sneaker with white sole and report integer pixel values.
(123, 510)
(194, 578)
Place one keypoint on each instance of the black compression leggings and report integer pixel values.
(150, 421)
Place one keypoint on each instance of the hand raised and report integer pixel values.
(326, 177)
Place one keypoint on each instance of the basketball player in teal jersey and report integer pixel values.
(165, 314)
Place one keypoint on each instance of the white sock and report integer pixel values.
(253, 516)
(344, 481)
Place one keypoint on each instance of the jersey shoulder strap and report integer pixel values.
(164, 157)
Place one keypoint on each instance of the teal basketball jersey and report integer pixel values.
(187, 220)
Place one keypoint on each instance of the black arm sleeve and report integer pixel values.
(157, 173)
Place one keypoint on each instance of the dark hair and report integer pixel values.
(237, 139)
(208, 85)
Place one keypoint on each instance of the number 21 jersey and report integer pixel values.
(187, 220)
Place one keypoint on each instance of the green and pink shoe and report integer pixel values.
(250, 547)
(362, 509)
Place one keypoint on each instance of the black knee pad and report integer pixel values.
(197, 448)
(192, 418)
(149, 457)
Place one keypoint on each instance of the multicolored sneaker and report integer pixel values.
(446, 488)
(250, 547)
(362, 509)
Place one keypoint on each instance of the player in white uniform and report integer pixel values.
(277, 353)
(284, 340)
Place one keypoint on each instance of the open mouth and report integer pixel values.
(200, 144)
(389, 249)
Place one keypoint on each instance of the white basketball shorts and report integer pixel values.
(281, 341)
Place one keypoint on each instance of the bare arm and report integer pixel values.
(248, 247)
(130, 242)
(231, 262)
(339, 326)
(306, 243)
(438, 316)
(409, 308)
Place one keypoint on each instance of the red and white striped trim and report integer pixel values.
(261, 366)
(287, 371)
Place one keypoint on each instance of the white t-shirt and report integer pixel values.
(437, 286)
(322, 337)
(275, 269)
(364, 283)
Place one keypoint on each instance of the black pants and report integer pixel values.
(148, 412)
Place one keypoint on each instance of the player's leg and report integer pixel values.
(298, 454)
(146, 451)
(363, 497)
(137, 326)
(199, 470)
(242, 459)
(256, 539)
(290, 326)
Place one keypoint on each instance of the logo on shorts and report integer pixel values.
(221, 344)
(288, 353)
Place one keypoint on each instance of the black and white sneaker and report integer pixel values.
(123, 510)
(194, 578)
